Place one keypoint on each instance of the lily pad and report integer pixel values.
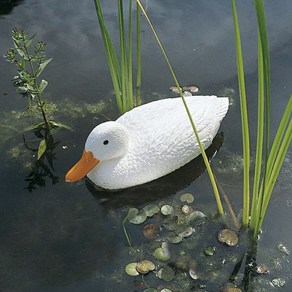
(151, 230)
(174, 89)
(187, 197)
(151, 210)
(162, 253)
(167, 210)
(166, 274)
(278, 282)
(282, 248)
(191, 88)
(209, 250)
(132, 213)
(184, 231)
(145, 266)
(174, 238)
(196, 218)
(228, 237)
(229, 287)
(171, 223)
(186, 209)
(131, 269)
(139, 218)
(262, 269)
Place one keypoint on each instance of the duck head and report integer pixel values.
(106, 141)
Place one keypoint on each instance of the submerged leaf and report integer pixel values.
(151, 230)
(228, 236)
(210, 250)
(229, 287)
(166, 274)
(278, 282)
(42, 148)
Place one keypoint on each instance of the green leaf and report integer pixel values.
(22, 89)
(31, 128)
(29, 41)
(42, 67)
(43, 86)
(60, 125)
(42, 148)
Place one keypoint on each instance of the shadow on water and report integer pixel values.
(6, 6)
(158, 189)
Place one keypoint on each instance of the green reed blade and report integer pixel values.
(209, 170)
(260, 12)
(111, 56)
(259, 6)
(138, 56)
(244, 118)
(260, 135)
(130, 96)
(123, 55)
(279, 136)
(282, 151)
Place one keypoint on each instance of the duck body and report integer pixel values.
(152, 140)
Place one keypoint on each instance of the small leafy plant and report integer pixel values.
(31, 63)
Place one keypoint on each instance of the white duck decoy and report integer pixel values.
(148, 142)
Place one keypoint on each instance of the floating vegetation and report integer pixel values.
(282, 248)
(167, 210)
(151, 230)
(151, 210)
(131, 269)
(262, 269)
(210, 250)
(166, 274)
(228, 237)
(278, 282)
(229, 287)
(162, 253)
(183, 255)
(187, 90)
(145, 266)
(187, 197)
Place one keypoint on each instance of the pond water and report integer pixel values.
(57, 236)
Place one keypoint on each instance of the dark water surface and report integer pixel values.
(61, 237)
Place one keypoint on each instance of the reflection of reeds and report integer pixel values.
(269, 159)
(122, 71)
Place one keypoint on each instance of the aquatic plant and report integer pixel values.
(31, 63)
(269, 158)
(122, 72)
(205, 158)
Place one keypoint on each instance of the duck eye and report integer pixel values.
(105, 142)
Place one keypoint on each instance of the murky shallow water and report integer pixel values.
(62, 238)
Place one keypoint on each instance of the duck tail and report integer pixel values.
(222, 107)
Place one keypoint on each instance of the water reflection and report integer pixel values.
(42, 168)
(157, 189)
(6, 6)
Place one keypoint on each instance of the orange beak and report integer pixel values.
(86, 163)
